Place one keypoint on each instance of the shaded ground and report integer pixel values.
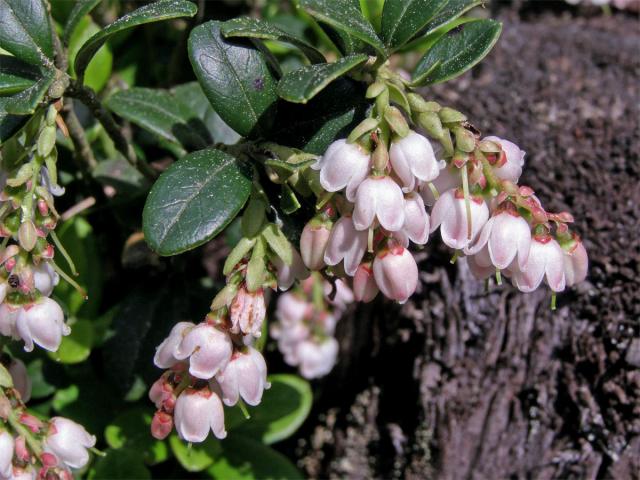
(461, 383)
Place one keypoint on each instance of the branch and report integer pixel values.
(78, 138)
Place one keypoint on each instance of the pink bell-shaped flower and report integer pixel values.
(247, 312)
(396, 273)
(546, 258)
(506, 236)
(576, 261)
(45, 278)
(20, 377)
(509, 164)
(379, 197)
(313, 243)
(450, 214)
(69, 442)
(161, 425)
(208, 349)
(448, 178)
(288, 274)
(245, 376)
(416, 219)
(291, 309)
(365, 287)
(164, 352)
(7, 446)
(197, 412)
(346, 243)
(8, 316)
(343, 165)
(480, 264)
(343, 295)
(317, 358)
(413, 159)
(42, 322)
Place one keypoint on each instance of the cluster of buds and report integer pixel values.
(29, 447)
(384, 175)
(215, 363)
(307, 317)
(28, 219)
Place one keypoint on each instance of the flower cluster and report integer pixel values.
(307, 317)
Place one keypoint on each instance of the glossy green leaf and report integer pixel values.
(80, 9)
(195, 457)
(403, 19)
(284, 407)
(99, 69)
(9, 124)
(15, 75)
(255, 28)
(303, 84)
(76, 347)
(26, 102)
(456, 52)
(344, 16)
(235, 78)
(25, 31)
(193, 201)
(119, 464)
(246, 459)
(155, 12)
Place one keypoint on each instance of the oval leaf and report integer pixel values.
(195, 457)
(80, 9)
(25, 102)
(193, 201)
(26, 31)
(236, 79)
(403, 19)
(15, 75)
(345, 16)
(303, 84)
(155, 12)
(456, 52)
(255, 28)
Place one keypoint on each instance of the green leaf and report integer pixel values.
(456, 52)
(235, 78)
(155, 12)
(99, 69)
(130, 431)
(75, 347)
(303, 84)
(26, 102)
(9, 124)
(80, 9)
(160, 112)
(15, 75)
(284, 407)
(195, 457)
(246, 459)
(344, 16)
(255, 28)
(26, 32)
(193, 201)
(403, 19)
(120, 464)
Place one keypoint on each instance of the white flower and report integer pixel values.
(164, 352)
(7, 446)
(412, 158)
(197, 412)
(8, 316)
(346, 243)
(379, 197)
(450, 214)
(343, 165)
(365, 288)
(416, 219)
(396, 273)
(343, 296)
(449, 178)
(69, 442)
(245, 376)
(480, 264)
(207, 348)
(313, 243)
(510, 163)
(42, 322)
(247, 312)
(546, 258)
(288, 274)
(291, 309)
(576, 262)
(45, 278)
(317, 359)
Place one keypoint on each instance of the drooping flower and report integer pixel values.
(198, 411)
(365, 287)
(247, 312)
(343, 165)
(346, 243)
(291, 309)
(245, 376)
(288, 274)
(68, 441)
(576, 261)
(45, 278)
(208, 349)
(413, 159)
(313, 243)
(379, 198)
(416, 219)
(448, 178)
(7, 446)
(396, 273)
(164, 352)
(42, 322)
(317, 359)
(546, 259)
(449, 213)
(509, 164)
(8, 316)
(161, 425)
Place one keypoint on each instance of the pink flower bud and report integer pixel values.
(45, 278)
(450, 214)
(576, 262)
(416, 219)
(412, 158)
(509, 164)
(247, 312)
(161, 425)
(506, 235)
(164, 352)
(365, 288)
(291, 309)
(396, 273)
(288, 274)
(8, 316)
(346, 243)
(21, 380)
(69, 442)
(317, 359)
(197, 412)
(31, 422)
(379, 197)
(545, 258)
(245, 376)
(162, 395)
(343, 165)
(42, 322)
(48, 460)
(313, 243)
(6, 454)
(208, 349)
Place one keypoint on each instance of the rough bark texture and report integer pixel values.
(462, 383)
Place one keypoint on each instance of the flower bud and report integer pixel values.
(317, 359)
(313, 243)
(245, 376)
(162, 395)
(430, 121)
(197, 412)
(288, 274)
(546, 258)
(45, 278)
(465, 140)
(42, 322)
(396, 273)
(416, 219)
(346, 243)
(413, 158)
(163, 357)
(21, 380)
(343, 165)
(450, 214)
(207, 348)
(247, 312)
(396, 121)
(46, 140)
(576, 261)
(449, 115)
(69, 442)
(7, 445)
(510, 162)
(365, 288)
(161, 425)
(379, 197)
(27, 235)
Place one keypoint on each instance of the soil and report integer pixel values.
(462, 382)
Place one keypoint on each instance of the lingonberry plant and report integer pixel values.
(323, 162)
